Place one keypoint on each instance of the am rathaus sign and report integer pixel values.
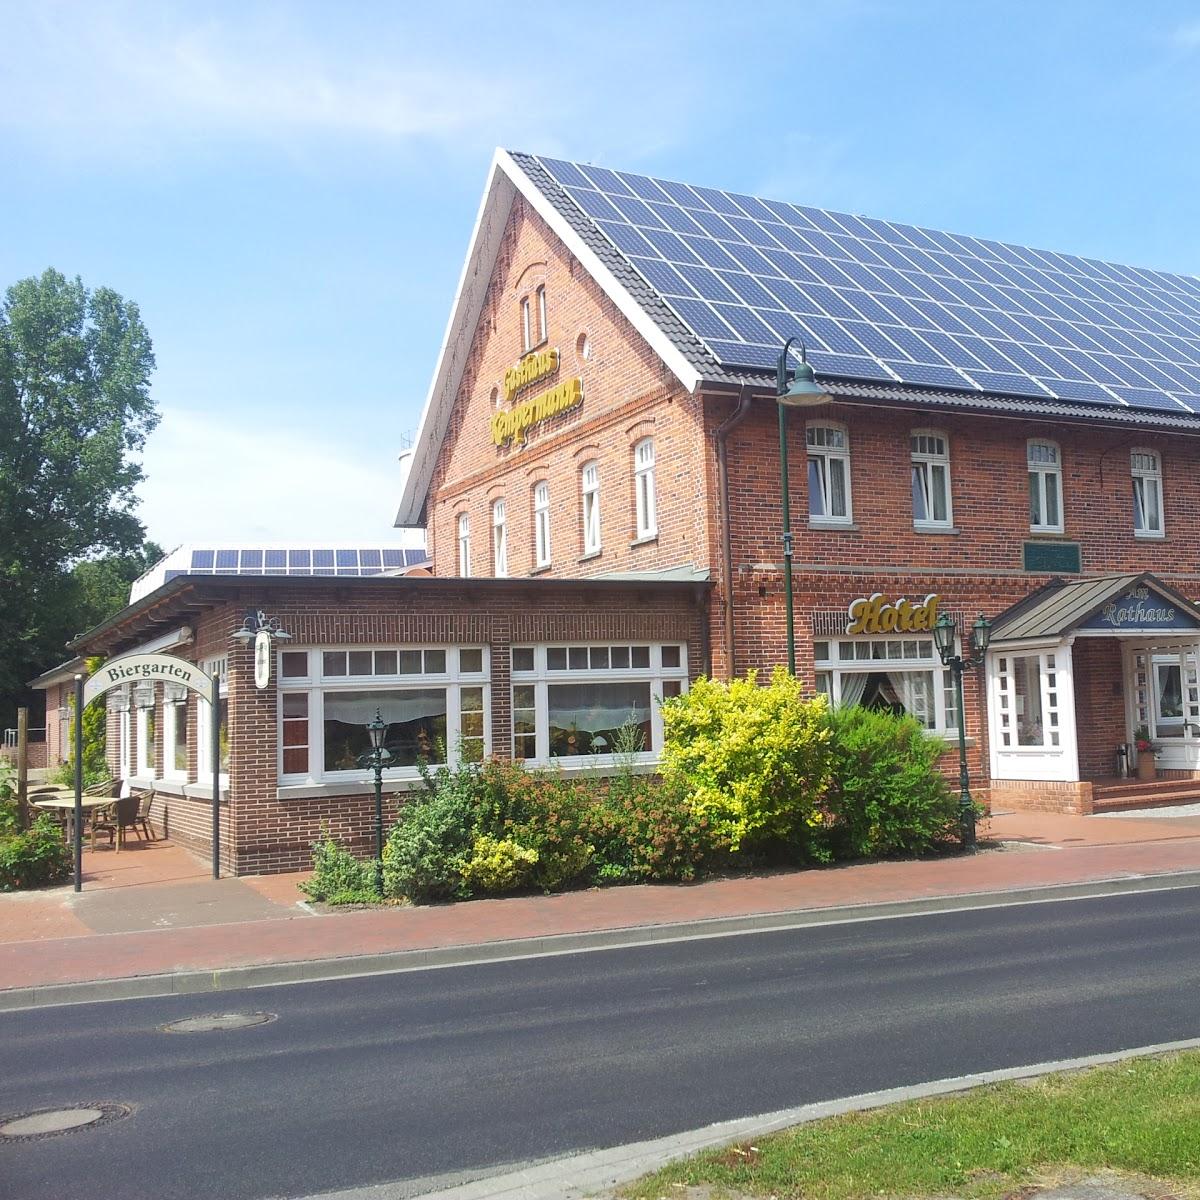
(1142, 609)
(147, 668)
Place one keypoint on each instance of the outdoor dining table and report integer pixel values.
(65, 801)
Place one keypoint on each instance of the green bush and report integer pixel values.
(426, 849)
(497, 865)
(886, 795)
(9, 816)
(756, 760)
(338, 877)
(33, 858)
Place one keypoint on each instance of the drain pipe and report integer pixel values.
(721, 433)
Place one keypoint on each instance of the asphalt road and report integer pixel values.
(411, 1075)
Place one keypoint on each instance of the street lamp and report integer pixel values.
(802, 391)
(944, 632)
(256, 621)
(377, 731)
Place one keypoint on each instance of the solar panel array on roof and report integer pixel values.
(883, 301)
(340, 561)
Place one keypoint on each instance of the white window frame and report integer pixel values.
(315, 686)
(541, 677)
(1052, 680)
(1145, 467)
(145, 744)
(526, 326)
(925, 459)
(645, 500)
(543, 330)
(499, 539)
(124, 750)
(220, 668)
(541, 524)
(832, 667)
(174, 711)
(823, 451)
(589, 483)
(1041, 471)
(464, 545)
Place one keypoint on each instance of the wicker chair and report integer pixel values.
(114, 819)
(141, 822)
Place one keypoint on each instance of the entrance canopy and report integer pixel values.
(1103, 606)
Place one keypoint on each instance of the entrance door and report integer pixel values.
(1165, 698)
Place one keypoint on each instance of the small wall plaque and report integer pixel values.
(1052, 558)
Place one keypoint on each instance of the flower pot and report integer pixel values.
(1146, 766)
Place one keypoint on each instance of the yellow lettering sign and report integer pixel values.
(879, 613)
(511, 425)
(530, 369)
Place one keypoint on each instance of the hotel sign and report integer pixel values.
(879, 613)
(511, 425)
(1142, 608)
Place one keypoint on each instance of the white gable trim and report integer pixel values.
(505, 179)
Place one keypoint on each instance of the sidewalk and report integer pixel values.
(153, 910)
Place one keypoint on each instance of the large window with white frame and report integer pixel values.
(1146, 468)
(589, 478)
(499, 539)
(1027, 695)
(645, 502)
(175, 731)
(218, 667)
(591, 702)
(434, 700)
(464, 545)
(144, 698)
(902, 675)
(1044, 460)
(541, 524)
(124, 757)
(930, 453)
(829, 500)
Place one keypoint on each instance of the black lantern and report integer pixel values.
(944, 632)
(377, 731)
(378, 755)
(981, 635)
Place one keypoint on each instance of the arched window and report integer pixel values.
(643, 488)
(1045, 486)
(526, 326)
(464, 545)
(499, 540)
(1146, 467)
(930, 450)
(828, 474)
(541, 525)
(590, 487)
(543, 325)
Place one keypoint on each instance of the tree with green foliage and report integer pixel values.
(75, 411)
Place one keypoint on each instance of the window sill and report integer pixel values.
(1148, 536)
(541, 570)
(951, 740)
(351, 787)
(842, 526)
(593, 554)
(944, 530)
(1035, 531)
(644, 541)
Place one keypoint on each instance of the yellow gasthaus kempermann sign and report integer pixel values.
(510, 425)
(879, 613)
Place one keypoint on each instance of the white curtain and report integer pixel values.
(853, 686)
(914, 691)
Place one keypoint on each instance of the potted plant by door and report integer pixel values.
(1146, 767)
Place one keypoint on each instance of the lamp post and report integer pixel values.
(944, 632)
(801, 391)
(377, 731)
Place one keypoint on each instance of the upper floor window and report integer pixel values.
(1147, 493)
(526, 325)
(499, 540)
(464, 544)
(590, 483)
(828, 474)
(541, 525)
(543, 326)
(930, 478)
(643, 485)
(1045, 487)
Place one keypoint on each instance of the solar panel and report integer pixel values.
(885, 300)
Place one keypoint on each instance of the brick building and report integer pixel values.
(1005, 432)
(1000, 419)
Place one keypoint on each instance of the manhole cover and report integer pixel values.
(218, 1022)
(49, 1122)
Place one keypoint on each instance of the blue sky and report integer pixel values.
(287, 189)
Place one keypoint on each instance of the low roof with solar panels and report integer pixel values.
(344, 559)
(716, 282)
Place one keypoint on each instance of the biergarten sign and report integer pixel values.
(154, 668)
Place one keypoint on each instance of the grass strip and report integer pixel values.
(1140, 1116)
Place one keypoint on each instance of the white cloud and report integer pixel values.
(1186, 37)
(209, 479)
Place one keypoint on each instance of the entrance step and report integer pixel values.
(1104, 788)
(1124, 802)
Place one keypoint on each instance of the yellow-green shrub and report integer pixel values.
(756, 760)
(498, 865)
